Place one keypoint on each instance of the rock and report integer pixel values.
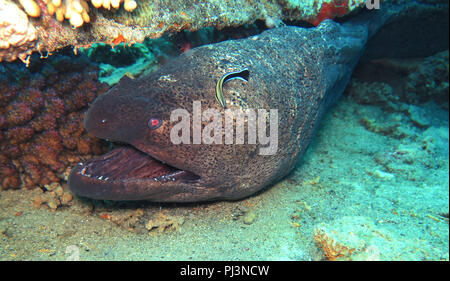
(383, 175)
(249, 218)
(419, 116)
(376, 93)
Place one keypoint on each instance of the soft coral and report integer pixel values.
(330, 11)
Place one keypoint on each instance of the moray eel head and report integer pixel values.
(144, 164)
(147, 165)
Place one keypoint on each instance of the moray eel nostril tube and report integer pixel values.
(297, 71)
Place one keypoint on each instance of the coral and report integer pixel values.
(330, 11)
(129, 5)
(163, 222)
(41, 131)
(17, 34)
(358, 238)
(128, 219)
(152, 19)
(54, 197)
(318, 11)
(31, 8)
(233, 13)
(77, 11)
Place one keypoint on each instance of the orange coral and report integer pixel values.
(330, 11)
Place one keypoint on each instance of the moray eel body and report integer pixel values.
(298, 71)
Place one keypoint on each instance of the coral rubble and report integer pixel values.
(163, 222)
(41, 131)
(358, 238)
(53, 197)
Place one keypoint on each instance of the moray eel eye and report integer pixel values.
(154, 123)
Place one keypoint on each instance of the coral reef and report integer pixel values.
(150, 18)
(41, 113)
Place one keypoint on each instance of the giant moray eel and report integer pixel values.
(299, 71)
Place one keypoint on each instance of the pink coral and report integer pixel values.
(41, 121)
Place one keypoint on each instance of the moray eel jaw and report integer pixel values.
(126, 173)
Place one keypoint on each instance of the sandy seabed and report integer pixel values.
(359, 193)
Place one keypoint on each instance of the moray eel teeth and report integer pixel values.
(241, 75)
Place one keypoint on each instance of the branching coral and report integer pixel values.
(30, 7)
(129, 5)
(18, 34)
(76, 11)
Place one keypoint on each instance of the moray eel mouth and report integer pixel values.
(126, 173)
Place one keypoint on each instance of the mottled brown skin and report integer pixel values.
(295, 70)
